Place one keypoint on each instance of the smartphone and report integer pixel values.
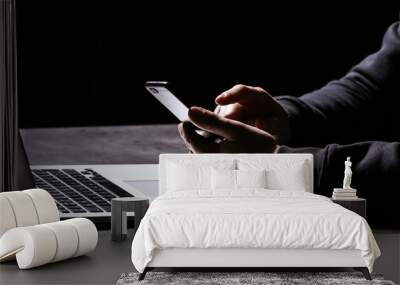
(160, 90)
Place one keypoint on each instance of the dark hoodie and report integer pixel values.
(357, 116)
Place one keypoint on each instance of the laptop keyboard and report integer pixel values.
(78, 191)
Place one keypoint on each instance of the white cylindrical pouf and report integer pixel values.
(33, 246)
(7, 217)
(45, 205)
(67, 239)
(87, 235)
(23, 208)
(40, 244)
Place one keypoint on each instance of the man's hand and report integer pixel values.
(255, 107)
(236, 136)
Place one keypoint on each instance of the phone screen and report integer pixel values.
(169, 100)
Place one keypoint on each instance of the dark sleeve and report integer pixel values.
(352, 108)
(376, 176)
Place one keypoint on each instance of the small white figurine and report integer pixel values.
(347, 174)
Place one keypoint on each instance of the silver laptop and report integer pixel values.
(87, 190)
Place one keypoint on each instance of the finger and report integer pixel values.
(256, 98)
(236, 93)
(217, 110)
(211, 122)
(233, 111)
(195, 142)
(276, 126)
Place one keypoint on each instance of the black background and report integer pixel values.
(85, 62)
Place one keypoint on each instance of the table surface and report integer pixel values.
(101, 145)
(102, 266)
(349, 200)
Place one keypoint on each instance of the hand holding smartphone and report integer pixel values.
(159, 89)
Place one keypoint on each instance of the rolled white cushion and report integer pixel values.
(33, 246)
(87, 235)
(45, 205)
(7, 218)
(67, 240)
(23, 208)
(40, 244)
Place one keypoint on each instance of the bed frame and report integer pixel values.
(245, 259)
(250, 259)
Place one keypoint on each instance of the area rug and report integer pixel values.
(244, 278)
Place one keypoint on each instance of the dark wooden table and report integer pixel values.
(101, 145)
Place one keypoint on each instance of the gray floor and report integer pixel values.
(143, 144)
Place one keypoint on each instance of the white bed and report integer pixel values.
(201, 219)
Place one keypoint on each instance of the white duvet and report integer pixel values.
(250, 219)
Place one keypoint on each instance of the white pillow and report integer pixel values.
(251, 178)
(225, 179)
(282, 174)
(186, 176)
(183, 177)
